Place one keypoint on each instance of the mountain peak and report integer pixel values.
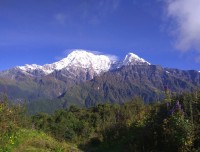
(133, 59)
(76, 59)
(85, 60)
(79, 51)
(132, 55)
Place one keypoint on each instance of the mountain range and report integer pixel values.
(52, 80)
(86, 79)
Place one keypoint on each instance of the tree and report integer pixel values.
(178, 132)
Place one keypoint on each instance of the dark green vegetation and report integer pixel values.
(144, 81)
(20, 86)
(170, 125)
(36, 86)
(17, 134)
(117, 86)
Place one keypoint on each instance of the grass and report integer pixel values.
(34, 141)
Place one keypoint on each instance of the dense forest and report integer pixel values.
(169, 125)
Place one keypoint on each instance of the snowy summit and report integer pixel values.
(133, 59)
(85, 60)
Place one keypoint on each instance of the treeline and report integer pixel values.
(170, 125)
(12, 118)
(17, 133)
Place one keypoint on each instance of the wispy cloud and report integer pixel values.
(88, 12)
(93, 12)
(186, 29)
(113, 57)
(61, 18)
(68, 51)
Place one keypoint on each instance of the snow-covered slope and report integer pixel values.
(133, 59)
(84, 60)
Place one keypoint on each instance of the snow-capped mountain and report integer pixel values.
(52, 80)
(69, 77)
(133, 59)
(82, 59)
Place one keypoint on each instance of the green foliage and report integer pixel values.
(31, 140)
(15, 138)
(119, 86)
(178, 133)
(134, 126)
(43, 105)
(131, 126)
(11, 119)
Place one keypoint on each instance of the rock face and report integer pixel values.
(81, 60)
(145, 81)
(52, 80)
(87, 79)
(133, 59)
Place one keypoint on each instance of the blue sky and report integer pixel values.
(164, 32)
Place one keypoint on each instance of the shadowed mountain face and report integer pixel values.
(18, 85)
(87, 79)
(52, 80)
(146, 81)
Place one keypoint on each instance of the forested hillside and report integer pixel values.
(18, 134)
(145, 81)
(118, 85)
(170, 125)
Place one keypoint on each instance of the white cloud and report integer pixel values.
(68, 51)
(112, 57)
(186, 14)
